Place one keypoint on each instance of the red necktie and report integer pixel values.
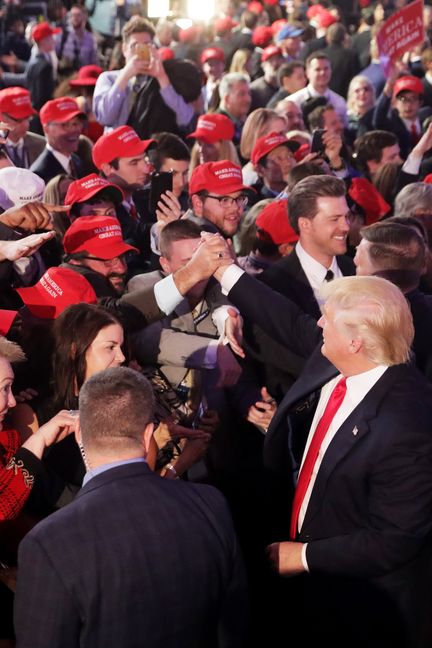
(334, 402)
(414, 134)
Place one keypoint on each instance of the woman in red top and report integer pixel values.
(20, 464)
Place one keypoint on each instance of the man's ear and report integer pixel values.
(166, 265)
(304, 224)
(78, 435)
(197, 205)
(107, 169)
(147, 437)
(355, 345)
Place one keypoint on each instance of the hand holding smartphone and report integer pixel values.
(160, 183)
(317, 145)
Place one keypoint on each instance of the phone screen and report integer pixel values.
(160, 183)
(317, 145)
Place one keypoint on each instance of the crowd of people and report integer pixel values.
(215, 327)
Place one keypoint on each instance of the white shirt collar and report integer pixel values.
(60, 157)
(315, 93)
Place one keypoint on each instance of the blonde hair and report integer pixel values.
(376, 311)
(254, 127)
(227, 151)
(10, 351)
(351, 91)
(239, 61)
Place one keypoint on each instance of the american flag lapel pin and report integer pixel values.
(355, 430)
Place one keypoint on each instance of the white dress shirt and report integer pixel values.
(315, 272)
(60, 157)
(338, 102)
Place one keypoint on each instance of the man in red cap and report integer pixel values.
(263, 88)
(93, 195)
(404, 119)
(94, 247)
(218, 197)
(39, 75)
(273, 159)
(22, 146)
(63, 122)
(122, 158)
(213, 65)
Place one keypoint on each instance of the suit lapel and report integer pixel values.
(350, 433)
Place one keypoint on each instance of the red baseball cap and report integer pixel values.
(271, 50)
(57, 289)
(213, 127)
(273, 221)
(6, 320)
(363, 192)
(43, 30)
(212, 53)
(87, 76)
(408, 83)
(255, 7)
(268, 142)
(324, 19)
(262, 36)
(277, 25)
(16, 102)
(224, 24)
(119, 143)
(87, 187)
(223, 177)
(166, 53)
(100, 236)
(60, 110)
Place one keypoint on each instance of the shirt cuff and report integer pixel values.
(230, 277)
(303, 557)
(219, 317)
(210, 356)
(167, 294)
(412, 164)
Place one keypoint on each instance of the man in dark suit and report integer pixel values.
(22, 146)
(135, 559)
(62, 122)
(364, 522)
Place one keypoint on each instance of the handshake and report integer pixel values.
(211, 258)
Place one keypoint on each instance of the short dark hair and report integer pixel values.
(177, 231)
(316, 116)
(115, 406)
(317, 55)
(104, 195)
(168, 145)
(302, 201)
(287, 70)
(137, 25)
(303, 170)
(397, 251)
(369, 147)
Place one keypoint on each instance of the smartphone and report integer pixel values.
(142, 50)
(160, 183)
(317, 145)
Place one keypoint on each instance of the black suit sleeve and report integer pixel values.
(279, 317)
(45, 614)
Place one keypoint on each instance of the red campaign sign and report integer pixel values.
(401, 32)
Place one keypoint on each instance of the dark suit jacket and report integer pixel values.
(282, 366)
(34, 145)
(47, 166)
(368, 520)
(134, 560)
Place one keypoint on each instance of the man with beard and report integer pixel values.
(122, 158)
(94, 247)
(62, 122)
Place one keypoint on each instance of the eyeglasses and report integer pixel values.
(408, 99)
(227, 201)
(108, 263)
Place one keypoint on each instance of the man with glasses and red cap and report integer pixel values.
(405, 119)
(218, 197)
(63, 122)
(22, 146)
